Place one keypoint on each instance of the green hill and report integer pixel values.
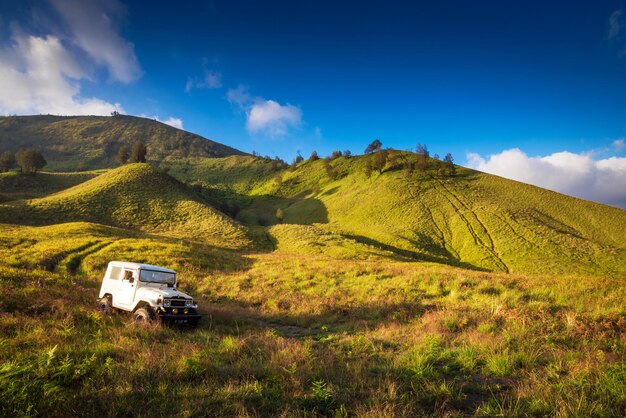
(80, 142)
(473, 219)
(135, 196)
(14, 185)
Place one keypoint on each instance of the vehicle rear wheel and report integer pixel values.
(105, 306)
(143, 315)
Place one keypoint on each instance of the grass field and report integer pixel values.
(378, 296)
(303, 335)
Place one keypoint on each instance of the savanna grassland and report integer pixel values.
(393, 294)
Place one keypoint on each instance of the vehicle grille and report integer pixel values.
(177, 303)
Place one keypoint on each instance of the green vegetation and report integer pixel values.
(67, 141)
(326, 292)
(135, 196)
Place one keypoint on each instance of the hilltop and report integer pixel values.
(474, 220)
(137, 197)
(91, 142)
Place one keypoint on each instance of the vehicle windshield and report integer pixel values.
(152, 276)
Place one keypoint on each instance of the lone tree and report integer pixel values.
(335, 154)
(122, 155)
(314, 156)
(138, 152)
(30, 160)
(7, 161)
(280, 215)
(298, 159)
(375, 145)
(422, 157)
(449, 162)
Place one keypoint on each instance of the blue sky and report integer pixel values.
(527, 90)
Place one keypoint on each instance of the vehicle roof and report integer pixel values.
(141, 266)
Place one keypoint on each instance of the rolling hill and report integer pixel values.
(392, 294)
(91, 142)
(473, 219)
(136, 197)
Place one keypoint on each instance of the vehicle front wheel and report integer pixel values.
(143, 315)
(105, 306)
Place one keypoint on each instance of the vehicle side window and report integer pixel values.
(115, 273)
(128, 276)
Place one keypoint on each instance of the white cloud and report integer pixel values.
(211, 80)
(615, 24)
(265, 116)
(273, 118)
(240, 96)
(92, 24)
(175, 122)
(39, 75)
(619, 144)
(565, 172)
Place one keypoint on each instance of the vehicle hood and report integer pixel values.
(154, 293)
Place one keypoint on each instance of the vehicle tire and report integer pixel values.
(143, 315)
(105, 306)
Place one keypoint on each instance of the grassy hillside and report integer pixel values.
(137, 197)
(89, 142)
(15, 186)
(473, 219)
(303, 334)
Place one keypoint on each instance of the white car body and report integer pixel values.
(130, 286)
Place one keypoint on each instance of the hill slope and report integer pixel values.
(67, 141)
(474, 220)
(135, 196)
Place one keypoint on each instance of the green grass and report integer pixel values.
(304, 335)
(473, 220)
(87, 142)
(15, 185)
(135, 196)
(389, 295)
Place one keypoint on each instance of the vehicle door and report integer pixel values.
(127, 287)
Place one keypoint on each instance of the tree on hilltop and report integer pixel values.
(449, 162)
(421, 162)
(375, 145)
(138, 152)
(314, 156)
(7, 161)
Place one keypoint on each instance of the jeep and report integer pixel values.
(149, 292)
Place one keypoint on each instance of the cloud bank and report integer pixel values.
(43, 74)
(577, 175)
(39, 75)
(265, 116)
(175, 122)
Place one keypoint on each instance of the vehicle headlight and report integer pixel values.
(175, 311)
(166, 303)
(189, 303)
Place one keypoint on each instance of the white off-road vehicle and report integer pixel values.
(149, 292)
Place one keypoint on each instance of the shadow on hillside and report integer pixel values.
(260, 210)
(442, 256)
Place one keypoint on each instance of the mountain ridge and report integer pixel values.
(91, 142)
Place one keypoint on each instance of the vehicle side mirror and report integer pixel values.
(177, 284)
